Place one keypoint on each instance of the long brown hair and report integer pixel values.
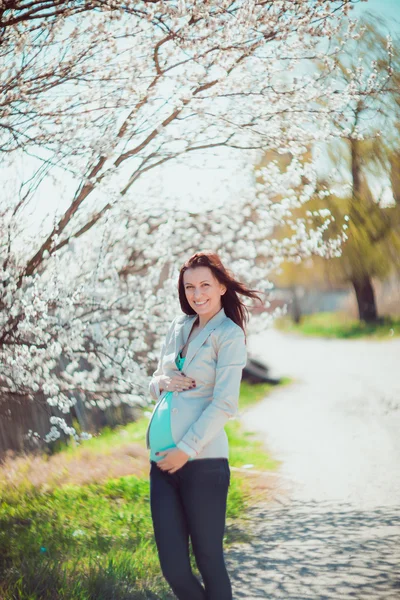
(234, 308)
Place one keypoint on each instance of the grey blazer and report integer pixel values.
(215, 360)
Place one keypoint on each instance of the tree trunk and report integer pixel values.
(295, 305)
(366, 300)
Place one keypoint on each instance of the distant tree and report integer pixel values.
(364, 165)
(367, 157)
(306, 218)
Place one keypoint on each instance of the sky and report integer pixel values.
(215, 181)
(386, 8)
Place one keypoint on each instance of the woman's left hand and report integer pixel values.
(174, 459)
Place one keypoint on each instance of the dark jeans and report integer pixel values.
(192, 502)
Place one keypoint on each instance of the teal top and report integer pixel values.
(160, 435)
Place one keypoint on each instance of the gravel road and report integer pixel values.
(334, 532)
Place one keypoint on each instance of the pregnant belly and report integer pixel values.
(160, 435)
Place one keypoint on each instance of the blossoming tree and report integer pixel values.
(111, 94)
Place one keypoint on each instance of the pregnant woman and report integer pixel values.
(196, 385)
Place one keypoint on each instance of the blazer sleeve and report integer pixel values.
(154, 388)
(232, 357)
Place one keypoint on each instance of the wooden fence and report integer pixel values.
(18, 416)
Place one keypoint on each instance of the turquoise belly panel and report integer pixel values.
(160, 435)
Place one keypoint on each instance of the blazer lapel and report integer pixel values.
(200, 338)
(182, 331)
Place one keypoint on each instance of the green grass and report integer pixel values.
(78, 542)
(107, 439)
(95, 541)
(339, 325)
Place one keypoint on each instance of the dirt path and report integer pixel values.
(334, 532)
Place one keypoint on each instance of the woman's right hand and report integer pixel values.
(176, 383)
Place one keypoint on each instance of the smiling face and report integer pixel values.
(203, 292)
